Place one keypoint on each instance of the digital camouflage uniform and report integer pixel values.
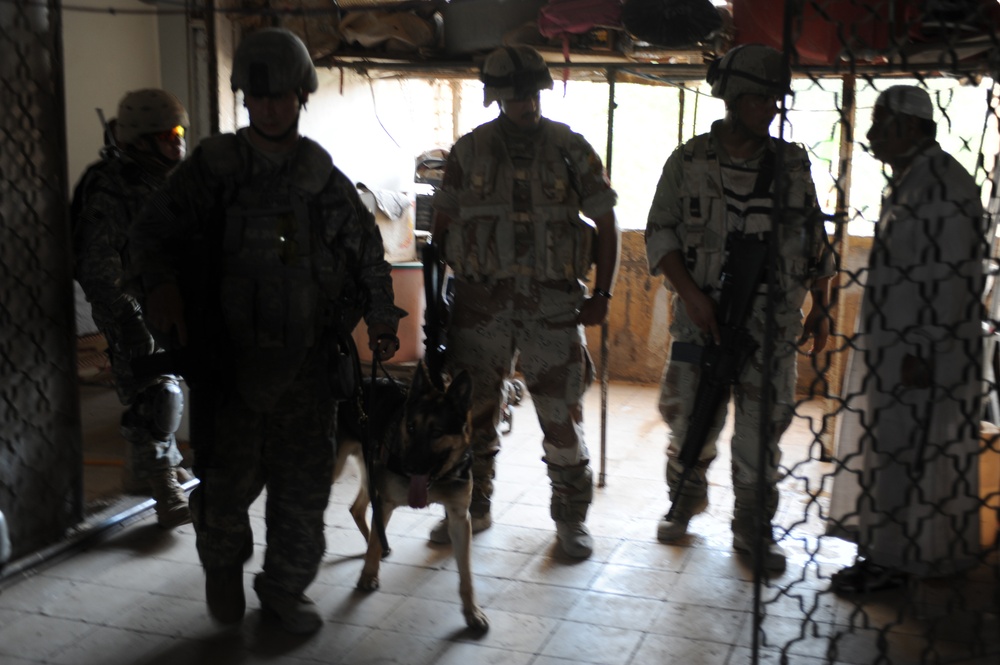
(519, 251)
(691, 212)
(106, 201)
(292, 251)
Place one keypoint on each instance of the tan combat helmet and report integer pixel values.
(273, 61)
(749, 68)
(148, 111)
(511, 72)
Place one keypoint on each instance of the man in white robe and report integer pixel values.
(906, 484)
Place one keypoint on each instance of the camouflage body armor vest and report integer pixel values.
(707, 219)
(278, 277)
(482, 244)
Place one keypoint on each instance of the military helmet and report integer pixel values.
(749, 68)
(511, 72)
(148, 111)
(272, 61)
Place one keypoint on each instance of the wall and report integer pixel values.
(106, 56)
(637, 320)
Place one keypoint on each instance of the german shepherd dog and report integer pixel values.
(423, 434)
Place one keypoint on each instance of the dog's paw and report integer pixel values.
(476, 620)
(368, 582)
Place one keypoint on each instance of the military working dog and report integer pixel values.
(422, 434)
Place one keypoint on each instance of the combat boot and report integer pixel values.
(672, 529)
(171, 502)
(224, 593)
(674, 525)
(575, 539)
(774, 557)
(296, 612)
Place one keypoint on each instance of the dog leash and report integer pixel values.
(369, 454)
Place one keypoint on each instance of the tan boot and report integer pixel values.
(171, 501)
(773, 554)
(575, 539)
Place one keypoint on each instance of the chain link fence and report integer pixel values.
(40, 452)
(893, 458)
(890, 491)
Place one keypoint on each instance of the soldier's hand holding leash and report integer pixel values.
(382, 341)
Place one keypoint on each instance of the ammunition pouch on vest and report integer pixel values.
(483, 241)
(705, 225)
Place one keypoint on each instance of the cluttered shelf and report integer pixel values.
(449, 38)
(453, 37)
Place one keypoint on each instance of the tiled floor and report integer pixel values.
(137, 595)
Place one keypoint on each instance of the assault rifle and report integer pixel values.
(435, 313)
(723, 363)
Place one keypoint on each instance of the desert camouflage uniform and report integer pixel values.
(519, 251)
(696, 205)
(293, 247)
(106, 201)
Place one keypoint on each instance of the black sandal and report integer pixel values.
(864, 577)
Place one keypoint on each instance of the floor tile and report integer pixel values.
(672, 650)
(592, 643)
(135, 596)
(40, 637)
(515, 631)
(464, 653)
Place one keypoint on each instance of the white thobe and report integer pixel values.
(906, 480)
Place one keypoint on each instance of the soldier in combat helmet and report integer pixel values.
(149, 130)
(717, 186)
(508, 218)
(291, 253)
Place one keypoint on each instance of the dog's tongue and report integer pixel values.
(418, 491)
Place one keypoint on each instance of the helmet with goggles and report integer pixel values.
(150, 111)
